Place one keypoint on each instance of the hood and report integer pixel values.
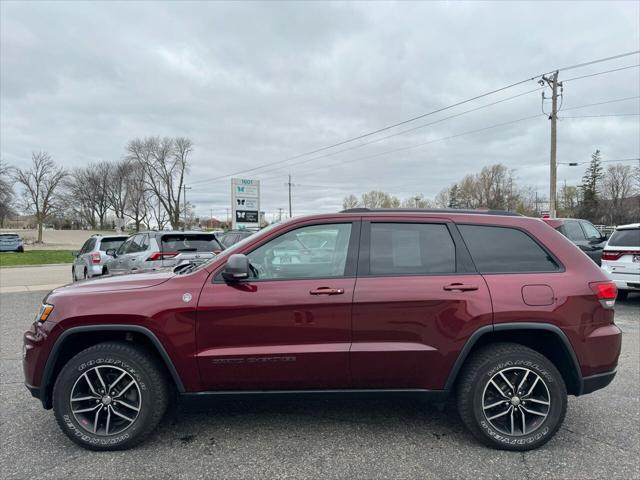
(110, 283)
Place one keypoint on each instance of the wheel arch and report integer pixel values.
(74, 340)
(545, 338)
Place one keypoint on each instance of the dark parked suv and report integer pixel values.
(500, 310)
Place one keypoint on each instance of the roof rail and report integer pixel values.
(432, 210)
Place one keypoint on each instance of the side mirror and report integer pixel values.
(217, 251)
(111, 252)
(236, 269)
(75, 253)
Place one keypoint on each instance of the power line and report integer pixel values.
(601, 73)
(601, 103)
(359, 137)
(603, 116)
(619, 160)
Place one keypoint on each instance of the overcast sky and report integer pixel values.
(253, 83)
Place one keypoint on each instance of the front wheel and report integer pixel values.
(511, 397)
(110, 396)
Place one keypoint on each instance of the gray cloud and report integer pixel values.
(252, 83)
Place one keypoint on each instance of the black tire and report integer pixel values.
(623, 294)
(73, 274)
(475, 378)
(84, 274)
(139, 365)
(105, 271)
(20, 250)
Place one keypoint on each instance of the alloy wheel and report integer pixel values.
(516, 401)
(105, 400)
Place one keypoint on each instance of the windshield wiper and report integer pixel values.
(185, 267)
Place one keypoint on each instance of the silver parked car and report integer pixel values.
(91, 258)
(11, 242)
(150, 250)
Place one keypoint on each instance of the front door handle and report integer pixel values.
(462, 287)
(327, 291)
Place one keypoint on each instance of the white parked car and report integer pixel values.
(621, 259)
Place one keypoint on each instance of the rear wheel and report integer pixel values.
(511, 397)
(110, 396)
(73, 273)
(84, 273)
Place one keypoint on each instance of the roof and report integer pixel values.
(629, 226)
(432, 210)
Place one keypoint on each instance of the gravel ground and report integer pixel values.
(320, 437)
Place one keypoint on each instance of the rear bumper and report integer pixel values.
(623, 280)
(596, 382)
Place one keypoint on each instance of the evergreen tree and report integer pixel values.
(590, 182)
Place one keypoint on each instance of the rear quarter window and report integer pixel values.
(625, 238)
(505, 250)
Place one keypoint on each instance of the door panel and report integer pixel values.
(274, 335)
(409, 330)
(289, 326)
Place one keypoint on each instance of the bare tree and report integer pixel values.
(165, 163)
(87, 193)
(6, 193)
(617, 185)
(377, 199)
(137, 207)
(350, 201)
(417, 201)
(117, 188)
(41, 182)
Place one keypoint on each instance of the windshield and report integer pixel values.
(238, 246)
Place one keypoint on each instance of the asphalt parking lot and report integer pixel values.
(320, 437)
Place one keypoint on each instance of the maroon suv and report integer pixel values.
(499, 309)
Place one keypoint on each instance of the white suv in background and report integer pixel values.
(621, 259)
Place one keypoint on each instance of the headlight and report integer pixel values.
(45, 311)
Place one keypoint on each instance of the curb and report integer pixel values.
(41, 265)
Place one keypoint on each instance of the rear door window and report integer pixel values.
(505, 250)
(625, 238)
(411, 249)
(182, 242)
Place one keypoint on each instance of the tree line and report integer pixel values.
(145, 187)
(608, 196)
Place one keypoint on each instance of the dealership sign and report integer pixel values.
(245, 203)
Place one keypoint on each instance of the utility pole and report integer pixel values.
(289, 184)
(280, 214)
(552, 81)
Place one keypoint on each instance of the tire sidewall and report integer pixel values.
(62, 393)
(557, 393)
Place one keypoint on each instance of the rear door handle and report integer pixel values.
(462, 287)
(327, 291)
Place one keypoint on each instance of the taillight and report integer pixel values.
(606, 292)
(161, 256)
(95, 257)
(615, 255)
